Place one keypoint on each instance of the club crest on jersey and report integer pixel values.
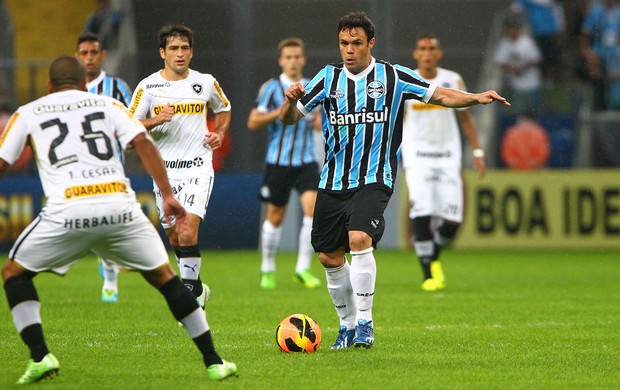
(197, 88)
(375, 89)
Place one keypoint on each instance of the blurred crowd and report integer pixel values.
(550, 44)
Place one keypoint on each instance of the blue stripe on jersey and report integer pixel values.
(113, 87)
(291, 145)
(362, 122)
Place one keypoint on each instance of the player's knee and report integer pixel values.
(331, 260)
(359, 240)
(10, 269)
(421, 228)
(448, 230)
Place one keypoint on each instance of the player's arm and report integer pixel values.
(471, 132)
(221, 124)
(289, 113)
(455, 98)
(4, 167)
(154, 165)
(165, 115)
(258, 120)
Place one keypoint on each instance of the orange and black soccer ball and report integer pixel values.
(298, 333)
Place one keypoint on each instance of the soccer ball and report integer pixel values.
(298, 333)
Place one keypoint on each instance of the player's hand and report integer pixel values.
(174, 212)
(212, 139)
(295, 92)
(490, 97)
(166, 113)
(481, 165)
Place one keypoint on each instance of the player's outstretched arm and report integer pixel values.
(154, 165)
(289, 113)
(454, 98)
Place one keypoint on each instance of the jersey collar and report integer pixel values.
(96, 81)
(361, 74)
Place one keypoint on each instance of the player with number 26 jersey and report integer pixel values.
(70, 172)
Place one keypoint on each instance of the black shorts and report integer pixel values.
(280, 180)
(338, 212)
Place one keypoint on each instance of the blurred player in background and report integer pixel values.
(74, 133)
(172, 104)
(431, 157)
(290, 163)
(91, 54)
(362, 101)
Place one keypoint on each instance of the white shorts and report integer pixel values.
(192, 193)
(435, 192)
(116, 231)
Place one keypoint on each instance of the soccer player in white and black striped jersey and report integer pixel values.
(290, 163)
(362, 102)
(90, 52)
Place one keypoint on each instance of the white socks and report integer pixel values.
(270, 240)
(339, 288)
(424, 248)
(110, 276)
(189, 267)
(305, 246)
(363, 276)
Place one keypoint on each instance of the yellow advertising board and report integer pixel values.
(541, 209)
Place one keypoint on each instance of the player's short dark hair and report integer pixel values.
(175, 30)
(291, 42)
(88, 37)
(428, 36)
(67, 70)
(357, 19)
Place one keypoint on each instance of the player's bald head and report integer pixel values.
(67, 71)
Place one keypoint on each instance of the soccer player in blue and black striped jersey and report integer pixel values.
(91, 54)
(362, 105)
(290, 163)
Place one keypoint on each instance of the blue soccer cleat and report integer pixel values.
(364, 334)
(345, 338)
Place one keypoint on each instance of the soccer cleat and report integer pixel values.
(345, 338)
(204, 297)
(364, 334)
(307, 279)
(46, 368)
(218, 372)
(109, 295)
(430, 284)
(268, 280)
(438, 275)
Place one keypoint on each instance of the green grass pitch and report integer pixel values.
(507, 320)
